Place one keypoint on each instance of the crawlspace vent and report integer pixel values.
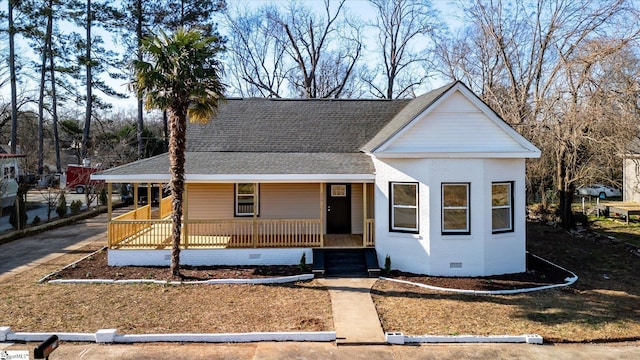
(455, 265)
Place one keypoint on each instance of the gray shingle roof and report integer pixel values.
(276, 125)
(238, 163)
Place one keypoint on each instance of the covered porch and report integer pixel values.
(263, 215)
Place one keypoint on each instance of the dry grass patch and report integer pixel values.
(26, 305)
(603, 305)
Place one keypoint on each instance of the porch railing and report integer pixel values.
(130, 225)
(132, 233)
(166, 206)
(368, 236)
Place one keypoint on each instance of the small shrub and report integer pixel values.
(103, 197)
(36, 220)
(61, 209)
(303, 262)
(387, 264)
(75, 206)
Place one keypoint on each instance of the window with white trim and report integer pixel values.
(502, 207)
(404, 207)
(246, 199)
(455, 209)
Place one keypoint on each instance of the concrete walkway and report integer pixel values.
(354, 315)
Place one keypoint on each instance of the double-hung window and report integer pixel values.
(404, 207)
(502, 207)
(455, 209)
(246, 199)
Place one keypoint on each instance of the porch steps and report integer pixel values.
(345, 262)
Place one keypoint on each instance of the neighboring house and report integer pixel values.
(631, 173)
(9, 173)
(437, 183)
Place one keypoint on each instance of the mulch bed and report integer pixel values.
(539, 273)
(95, 267)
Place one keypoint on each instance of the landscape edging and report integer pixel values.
(110, 336)
(274, 280)
(568, 281)
(398, 338)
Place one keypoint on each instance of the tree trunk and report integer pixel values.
(54, 97)
(12, 71)
(43, 72)
(87, 120)
(177, 138)
(565, 191)
(139, 21)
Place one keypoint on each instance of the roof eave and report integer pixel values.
(239, 178)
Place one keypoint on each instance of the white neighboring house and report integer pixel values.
(9, 166)
(437, 183)
(631, 174)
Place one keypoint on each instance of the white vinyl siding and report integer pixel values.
(455, 126)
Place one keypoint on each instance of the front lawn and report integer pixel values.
(603, 305)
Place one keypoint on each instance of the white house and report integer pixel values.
(436, 183)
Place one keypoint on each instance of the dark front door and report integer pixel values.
(338, 208)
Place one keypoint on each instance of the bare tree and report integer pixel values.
(405, 30)
(311, 41)
(285, 51)
(256, 46)
(13, 78)
(524, 56)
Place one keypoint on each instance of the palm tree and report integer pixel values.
(181, 76)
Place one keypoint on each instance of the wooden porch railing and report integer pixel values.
(166, 207)
(245, 233)
(131, 225)
(369, 232)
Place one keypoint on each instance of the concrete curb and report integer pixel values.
(401, 339)
(568, 281)
(110, 336)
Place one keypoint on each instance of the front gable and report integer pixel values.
(456, 124)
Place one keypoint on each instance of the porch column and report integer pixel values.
(365, 232)
(255, 215)
(149, 199)
(109, 205)
(109, 192)
(160, 201)
(185, 215)
(135, 196)
(322, 186)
